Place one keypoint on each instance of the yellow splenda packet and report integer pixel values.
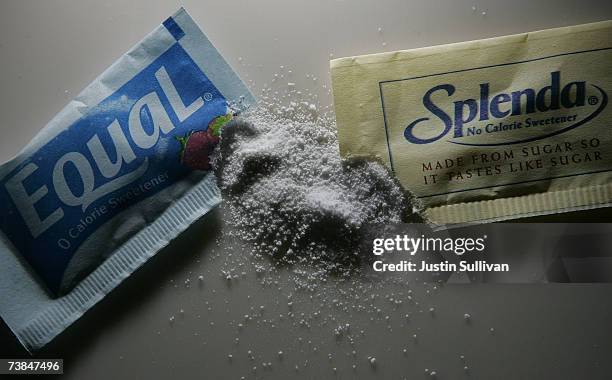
(487, 130)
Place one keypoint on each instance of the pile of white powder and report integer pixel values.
(289, 192)
(307, 218)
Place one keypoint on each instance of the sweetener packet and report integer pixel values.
(115, 176)
(487, 130)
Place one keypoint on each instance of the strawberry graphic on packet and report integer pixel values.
(197, 146)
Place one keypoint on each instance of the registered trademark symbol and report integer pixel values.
(208, 97)
(593, 100)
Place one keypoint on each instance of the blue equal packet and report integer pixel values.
(115, 176)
